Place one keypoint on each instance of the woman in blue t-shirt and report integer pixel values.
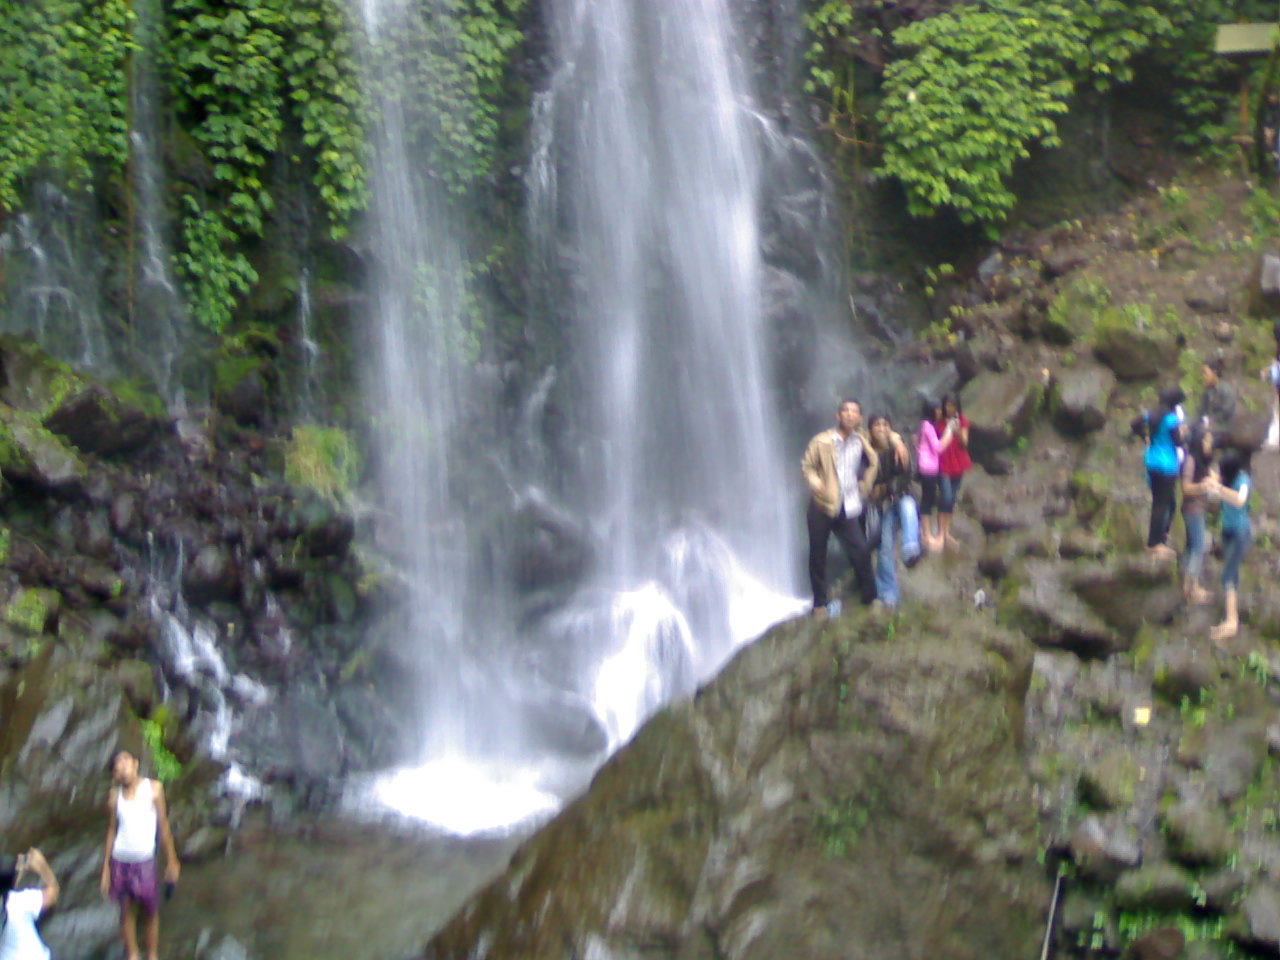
(1162, 429)
(1237, 534)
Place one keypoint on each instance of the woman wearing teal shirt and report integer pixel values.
(1163, 429)
(1237, 534)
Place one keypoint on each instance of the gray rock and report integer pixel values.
(1080, 544)
(761, 817)
(1110, 781)
(1059, 261)
(1000, 408)
(1161, 887)
(1163, 944)
(39, 457)
(1222, 890)
(1258, 923)
(1264, 287)
(1128, 592)
(1134, 354)
(95, 421)
(1082, 398)
(1208, 297)
(1102, 851)
(1053, 616)
(997, 508)
(1198, 835)
(1234, 754)
(1183, 670)
(211, 574)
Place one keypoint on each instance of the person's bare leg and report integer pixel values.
(129, 930)
(153, 936)
(1230, 624)
(944, 531)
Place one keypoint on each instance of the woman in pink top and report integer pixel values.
(929, 447)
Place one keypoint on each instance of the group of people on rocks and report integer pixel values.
(860, 483)
(1206, 465)
(137, 822)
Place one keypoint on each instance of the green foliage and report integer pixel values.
(63, 70)
(985, 82)
(167, 767)
(449, 62)
(246, 72)
(27, 610)
(214, 272)
(323, 459)
(838, 827)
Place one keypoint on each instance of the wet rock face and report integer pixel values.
(831, 788)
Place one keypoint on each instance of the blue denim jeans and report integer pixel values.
(1193, 562)
(901, 515)
(1234, 545)
(949, 491)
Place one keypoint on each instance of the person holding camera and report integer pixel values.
(19, 938)
(137, 815)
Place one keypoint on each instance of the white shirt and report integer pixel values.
(848, 457)
(20, 939)
(136, 822)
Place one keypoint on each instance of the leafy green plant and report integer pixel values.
(323, 459)
(214, 272)
(984, 82)
(167, 766)
(63, 67)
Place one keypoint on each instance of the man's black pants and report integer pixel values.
(849, 533)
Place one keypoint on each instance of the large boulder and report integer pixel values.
(32, 455)
(95, 421)
(1053, 616)
(1132, 351)
(824, 791)
(1001, 408)
(92, 418)
(1083, 398)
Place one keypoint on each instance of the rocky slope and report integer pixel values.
(909, 785)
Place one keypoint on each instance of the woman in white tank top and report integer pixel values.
(137, 817)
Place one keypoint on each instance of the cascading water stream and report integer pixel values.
(470, 776)
(649, 149)
(647, 169)
(158, 318)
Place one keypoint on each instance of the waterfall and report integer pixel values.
(54, 278)
(471, 776)
(649, 161)
(158, 316)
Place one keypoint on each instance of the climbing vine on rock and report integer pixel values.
(63, 73)
(451, 60)
(244, 70)
(983, 83)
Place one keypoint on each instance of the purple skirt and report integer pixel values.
(136, 882)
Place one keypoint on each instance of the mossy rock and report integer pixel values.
(1160, 887)
(1111, 781)
(1198, 835)
(322, 459)
(1133, 352)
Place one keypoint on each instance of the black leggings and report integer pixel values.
(851, 537)
(1163, 499)
(928, 494)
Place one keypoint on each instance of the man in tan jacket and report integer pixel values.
(840, 466)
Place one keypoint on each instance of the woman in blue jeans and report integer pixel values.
(1237, 534)
(891, 494)
(1197, 471)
